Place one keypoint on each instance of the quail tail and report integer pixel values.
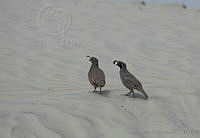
(145, 94)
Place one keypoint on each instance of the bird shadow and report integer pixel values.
(136, 95)
(104, 93)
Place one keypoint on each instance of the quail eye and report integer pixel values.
(115, 62)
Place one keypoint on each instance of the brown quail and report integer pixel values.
(95, 75)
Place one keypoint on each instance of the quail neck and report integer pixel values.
(94, 65)
(123, 72)
(123, 68)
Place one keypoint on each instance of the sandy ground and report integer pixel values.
(44, 90)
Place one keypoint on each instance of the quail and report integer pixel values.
(96, 76)
(129, 80)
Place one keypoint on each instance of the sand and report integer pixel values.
(44, 90)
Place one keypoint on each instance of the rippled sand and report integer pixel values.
(44, 90)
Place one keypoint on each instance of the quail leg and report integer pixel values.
(133, 94)
(94, 89)
(100, 90)
(128, 93)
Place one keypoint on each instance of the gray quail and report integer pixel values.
(129, 80)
